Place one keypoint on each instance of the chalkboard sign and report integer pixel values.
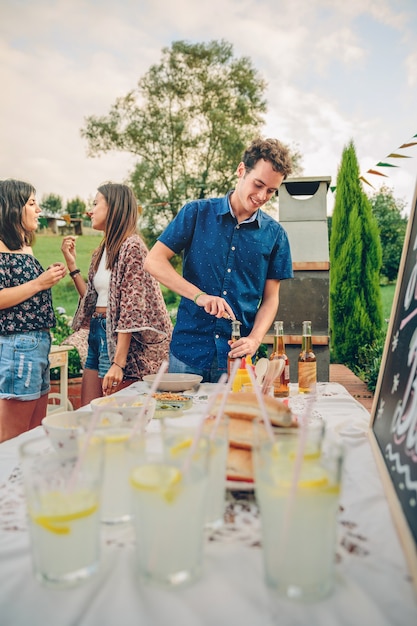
(394, 410)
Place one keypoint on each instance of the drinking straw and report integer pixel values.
(80, 459)
(297, 467)
(215, 395)
(261, 403)
(152, 390)
(93, 423)
(228, 386)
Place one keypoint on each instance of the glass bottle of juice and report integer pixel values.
(234, 337)
(307, 362)
(282, 382)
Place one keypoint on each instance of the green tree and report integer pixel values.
(76, 207)
(187, 122)
(355, 261)
(51, 204)
(392, 227)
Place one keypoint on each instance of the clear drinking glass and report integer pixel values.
(63, 497)
(218, 436)
(117, 417)
(168, 490)
(298, 478)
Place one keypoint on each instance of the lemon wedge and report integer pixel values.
(311, 478)
(314, 483)
(116, 438)
(58, 523)
(181, 445)
(310, 453)
(163, 479)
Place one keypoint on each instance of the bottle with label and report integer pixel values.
(234, 337)
(307, 363)
(282, 382)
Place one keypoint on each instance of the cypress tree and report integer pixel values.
(355, 263)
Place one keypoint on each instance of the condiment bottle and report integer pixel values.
(242, 377)
(234, 337)
(307, 363)
(282, 382)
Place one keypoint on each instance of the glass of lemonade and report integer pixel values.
(216, 435)
(297, 486)
(63, 497)
(116, 419)
(168, 495)
(115, 494)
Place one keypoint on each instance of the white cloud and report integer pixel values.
(61, 61)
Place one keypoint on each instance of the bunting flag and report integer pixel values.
(391, 155)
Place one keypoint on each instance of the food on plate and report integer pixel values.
(241, 433)
(168, 410)
(170, 404)
(239, 465)
(242, 409)
(168, 397)
(246, 406)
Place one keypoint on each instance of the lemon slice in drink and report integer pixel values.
(183, 444)
(311, 453)
(163, 479)
(116, 438)
(314, 477)
(62, 509)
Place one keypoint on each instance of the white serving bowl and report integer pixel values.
(174, 382)
(63, 429)
(122, 410)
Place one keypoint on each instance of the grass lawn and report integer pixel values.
(47, 249)
(387, 296)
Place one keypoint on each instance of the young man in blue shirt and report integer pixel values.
(234, 257)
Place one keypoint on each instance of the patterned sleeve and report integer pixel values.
(141, 307)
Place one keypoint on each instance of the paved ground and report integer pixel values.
(341, 374)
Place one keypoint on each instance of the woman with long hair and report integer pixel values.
(26, 313)
(121, 304)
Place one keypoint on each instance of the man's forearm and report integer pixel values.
(162, 270)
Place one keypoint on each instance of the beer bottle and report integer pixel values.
(281, 383)
(307, 363)
(234, 337)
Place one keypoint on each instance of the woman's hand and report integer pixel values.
(68, 249)
(51, 276)
(112, 379)
(10, 296)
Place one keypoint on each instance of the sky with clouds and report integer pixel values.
(336, 71)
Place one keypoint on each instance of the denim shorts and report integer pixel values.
(98, 356)
(24, 365)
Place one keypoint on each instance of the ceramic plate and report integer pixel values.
(167, 409)
(174, 382)
(177, 399)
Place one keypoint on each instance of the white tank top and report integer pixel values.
(102, 282)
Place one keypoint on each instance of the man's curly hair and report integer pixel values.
(271, 150)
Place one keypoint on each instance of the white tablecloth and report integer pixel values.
(373, 585)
